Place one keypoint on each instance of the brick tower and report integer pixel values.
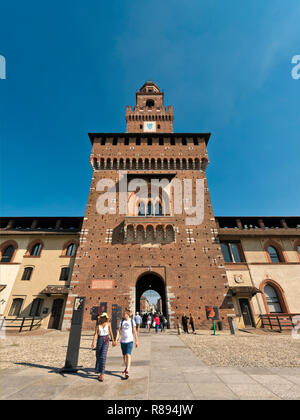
(138, 242)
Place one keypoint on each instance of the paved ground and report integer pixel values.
(252, 348)
(163, 368)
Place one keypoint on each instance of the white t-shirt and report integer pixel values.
(103, 331)
(126, 330)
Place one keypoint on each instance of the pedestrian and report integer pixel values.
(157, 323)
(127, 331)
(166, 322)
(184, 321)
(102, 332)
(149, 321)
(162, 322)
(192, 324)
(137, 320)
(144, 320)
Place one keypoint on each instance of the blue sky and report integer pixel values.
(73, 66)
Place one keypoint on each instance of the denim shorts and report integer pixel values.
(127, 348)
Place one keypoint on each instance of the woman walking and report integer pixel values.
(102, 333)
(149, 322)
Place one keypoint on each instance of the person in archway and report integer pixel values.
(162, 322)
(157, 322)
(137, 320)
(127, 331)
(184, 321)
(102, 332)
(149, 322)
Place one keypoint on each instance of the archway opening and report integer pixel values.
(152, 286)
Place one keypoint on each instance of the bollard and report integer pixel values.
(230, 322)
(179, 329)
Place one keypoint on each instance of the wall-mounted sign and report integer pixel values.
(102, 284)
(150, 126)
(212, 312)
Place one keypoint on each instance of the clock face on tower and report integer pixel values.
(150, 126)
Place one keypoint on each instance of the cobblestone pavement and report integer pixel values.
(254, 348)
(163, 368)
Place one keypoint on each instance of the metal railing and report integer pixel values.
(278, 321)
(20, 323)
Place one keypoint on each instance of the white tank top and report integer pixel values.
(103, 331)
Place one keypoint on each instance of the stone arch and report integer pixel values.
(151, 280)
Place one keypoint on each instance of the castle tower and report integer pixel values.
(133, 240)
(149, 115)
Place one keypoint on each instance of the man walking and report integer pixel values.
(162, 322)
(137, 320)
(192, 323)
(127, 330)
(184, 321)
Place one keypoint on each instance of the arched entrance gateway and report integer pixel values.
(151, 281)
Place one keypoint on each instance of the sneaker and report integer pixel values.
(126, 374)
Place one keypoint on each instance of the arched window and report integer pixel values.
(197, 163)
(16, 307)
(149, 103)
(36, 250)
(149, 208)
(141, 209)
(36, 307)
(27, 273)
(170, 236)
(140, 234)
(71, 250)
(7, 254)
(130, 234)
(274, 254)
(64, 273)
(158, 209)
(272, 299)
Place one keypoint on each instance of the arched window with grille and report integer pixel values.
(7, 254)
(273, 254)
(272, 299)
(36, 250)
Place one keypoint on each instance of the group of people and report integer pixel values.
(185, 320)
(157, 321)
(126, 333)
